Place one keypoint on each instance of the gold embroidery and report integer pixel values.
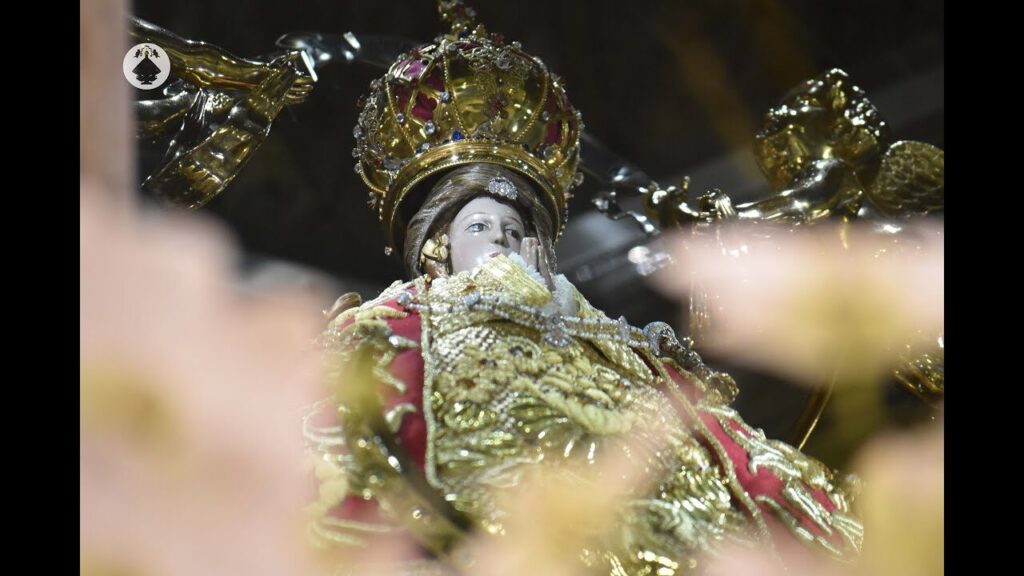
(503, 398)
(800, 475)
(507, 386)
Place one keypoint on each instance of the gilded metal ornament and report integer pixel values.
(222, 107)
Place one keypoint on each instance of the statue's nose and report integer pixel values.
(498, 237)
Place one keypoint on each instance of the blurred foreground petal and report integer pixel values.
(190, 456)
(812, 304)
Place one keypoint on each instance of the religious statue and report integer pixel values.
(488, 362)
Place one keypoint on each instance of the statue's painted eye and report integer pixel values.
(514, 233)
(476, 227)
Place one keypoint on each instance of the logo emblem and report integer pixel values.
(146, 66)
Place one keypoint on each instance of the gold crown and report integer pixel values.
(464, 98)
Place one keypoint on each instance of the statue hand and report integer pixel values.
(533, 254)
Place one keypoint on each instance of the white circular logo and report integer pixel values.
(146, 66)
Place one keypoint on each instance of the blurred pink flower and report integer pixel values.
(903, 503)
(191, 394)
(811, 303)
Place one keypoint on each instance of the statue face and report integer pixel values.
(483, 229)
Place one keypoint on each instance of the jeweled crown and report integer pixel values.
(464, 98)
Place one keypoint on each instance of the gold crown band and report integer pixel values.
(457, 154)
(465, 98)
